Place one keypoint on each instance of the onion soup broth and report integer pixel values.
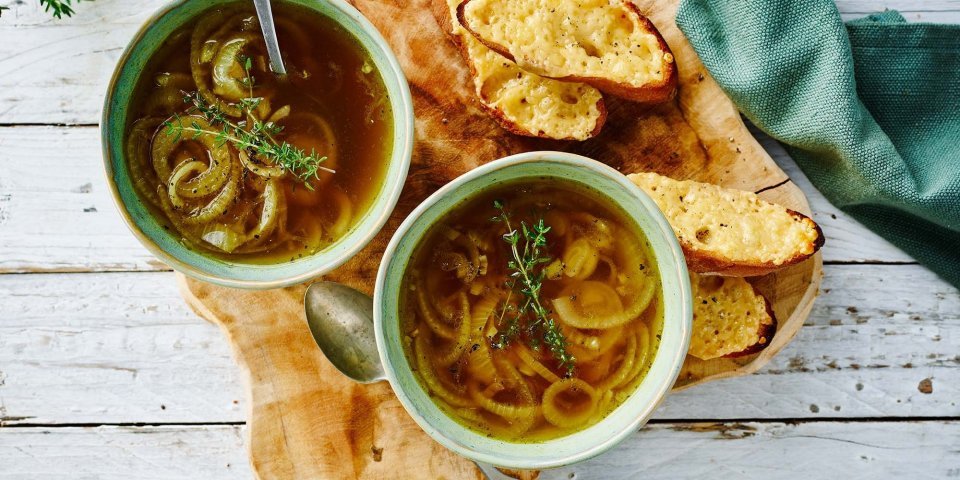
(252, 167)
(531, 311)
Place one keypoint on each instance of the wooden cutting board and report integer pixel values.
(307, 421)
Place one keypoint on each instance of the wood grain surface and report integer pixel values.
(699, 135)
(106, 374)
(749, 450)
(306, 419)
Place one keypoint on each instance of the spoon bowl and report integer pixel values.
(341, 321)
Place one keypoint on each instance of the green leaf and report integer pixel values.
(58, 8)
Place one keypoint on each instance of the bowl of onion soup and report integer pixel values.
(533, 312)
(237, 176)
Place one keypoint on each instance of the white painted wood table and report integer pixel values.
(105, 374)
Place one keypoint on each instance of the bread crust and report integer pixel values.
(708, 208)
(442, 14)
(765, 334)
(653, 93)
(700, 262)
(515, 129)
(737, 299)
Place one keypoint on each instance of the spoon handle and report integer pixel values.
(265, 14)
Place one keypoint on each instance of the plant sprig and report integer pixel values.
(526, 277)
(253, 135)
(57, 8)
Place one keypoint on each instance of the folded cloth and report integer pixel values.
(869, 110)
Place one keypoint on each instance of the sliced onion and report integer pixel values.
(204, 44)
(266, 171)
(165, 143)
(580, 259)
(441, 329)
(270, 214)
(138, 158)
(429, 376)
(181, 172)
(552, 411)
(527, 358)
(279, 114)
(480, 363)
(220, 203)
(590, 305)
(344, 214)
(224, 237)
(644, 354)
(225, 64)
(625, 368)
(507, 411)
(453, 353)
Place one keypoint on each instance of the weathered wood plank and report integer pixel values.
(121, 453)
(777, 450)
(873, 337)
(55, 71)
(118, 348)
(668, 451)
(57, 215)
(123, 348)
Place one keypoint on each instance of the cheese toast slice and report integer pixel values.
(730, 318)
(731, 232)
(606, 43)
(521, 102)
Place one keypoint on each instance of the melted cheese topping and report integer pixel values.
(561, 38)
(538, 105)
(729, 224)
(728, 316)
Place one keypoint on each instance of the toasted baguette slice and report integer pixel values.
(606, 43)
(731, 232)
(524, 103)
(730, 318)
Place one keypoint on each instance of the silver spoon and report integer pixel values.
(341, 321)
(265, 15)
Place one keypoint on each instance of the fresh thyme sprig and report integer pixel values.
(57, 8)
(526, 276)
(254, 136)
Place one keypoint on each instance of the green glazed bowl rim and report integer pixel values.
(617, 425)
(265, 276)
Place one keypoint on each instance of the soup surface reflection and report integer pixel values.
(246, 165)
(532, 311)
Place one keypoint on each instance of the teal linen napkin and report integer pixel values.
(869, 110)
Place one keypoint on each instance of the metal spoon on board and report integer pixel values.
(265, 14)
(341, 321)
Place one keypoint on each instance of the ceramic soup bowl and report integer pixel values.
(621, 422)
(167, 245)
